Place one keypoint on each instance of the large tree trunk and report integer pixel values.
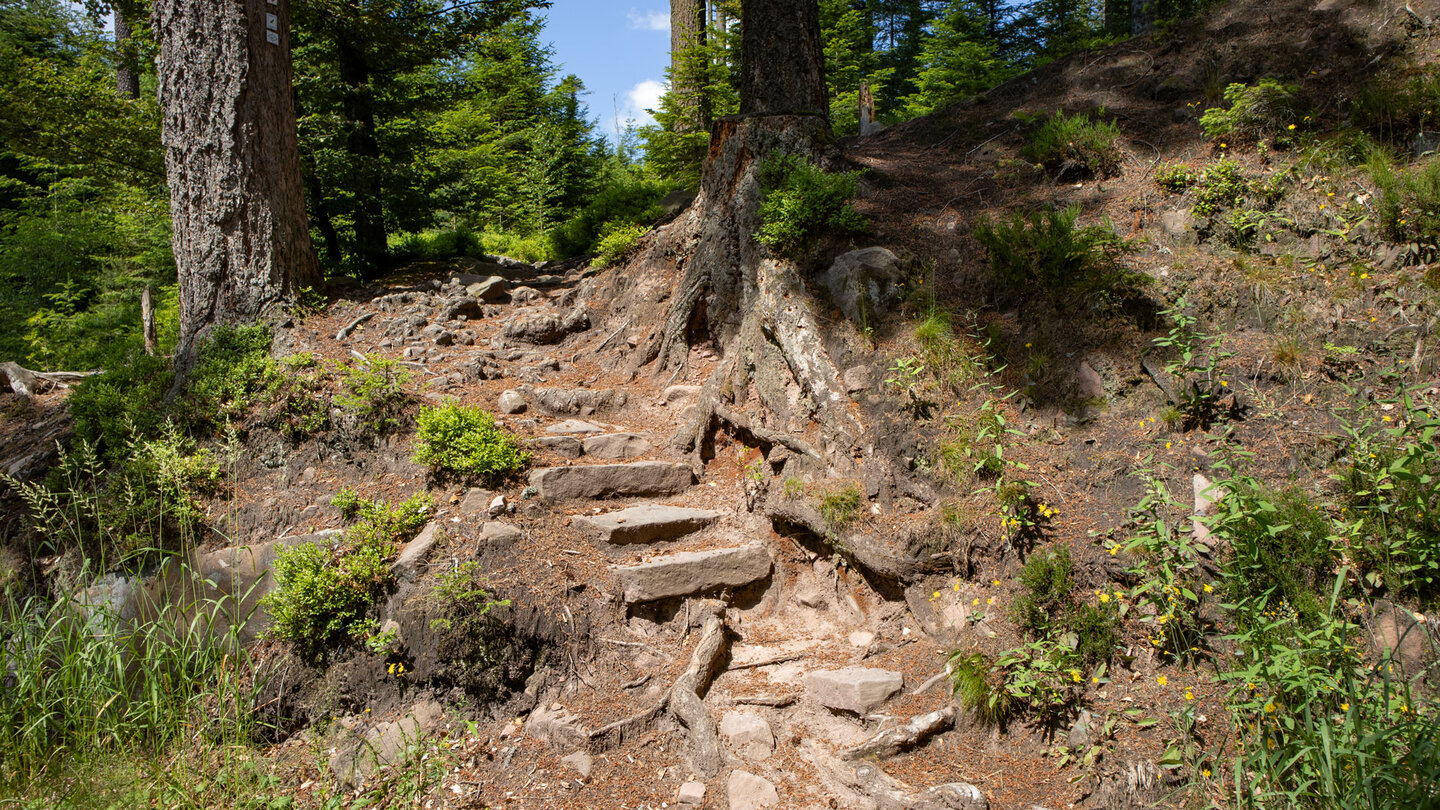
(782, 60)
(242, 244)
(127, 79)
(687, 69)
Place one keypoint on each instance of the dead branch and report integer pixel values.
(888, 793)
(28, 383)
(353, 325)
(685, 696)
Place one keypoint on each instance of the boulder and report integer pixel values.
(1178, 224)
(638, 479)
(489, 289)
(647, 523)
(747, 791)
(385, 744)
(411, 561)
(616, 445)
(475, 502)
(577, 401)
(512, 401)
(501, 533)
(692, 794)
(1405, 638)
(863, 284)
(546, 327)
(857, 379)
(853, 689)
(693, 572)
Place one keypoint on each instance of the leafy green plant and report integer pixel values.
(124, 401)
(464, 441)
(1221, 186)
(1408, 204)
(298, 404)
(1395, 104)
(1043, 677)
(979, 689)
(475, 646)
(794, 487)
(1024, 520)
(1069, 262)
(1075, 146)
(1266, 108)
(1048, 578)
(615, 241)
(324, 595)
(1197, 364)
(374, 392)
(907, 375)
(801, 201)
(1168, 571)
(232, 371)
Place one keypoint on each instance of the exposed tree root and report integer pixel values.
(27, 383)
(877, 555)
(917, 731)
(684, 701)
(888, 793)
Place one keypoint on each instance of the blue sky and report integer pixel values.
(620, 50)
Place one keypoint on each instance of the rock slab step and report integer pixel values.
(616, 445)
(747, 791)
(647, 523)
(691, 572)
(853, 689)
(639, 479)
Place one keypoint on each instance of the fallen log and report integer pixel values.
(885, 792)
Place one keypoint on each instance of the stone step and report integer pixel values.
(692, 572)
(647, 523)
(637, 479)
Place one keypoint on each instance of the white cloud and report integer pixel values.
(650, 20)
(645, 95)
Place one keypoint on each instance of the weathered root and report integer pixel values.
(875, 555)
(918, 730)
(889, 793)
(685, 697)
(27, 383)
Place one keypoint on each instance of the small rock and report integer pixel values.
(512, 401)
(691, 794)
(862, 639)
(582, 762)
(501, 533)
(812, 598)
(749, 792)
(1404, 637)
(1079, 736)
(497, 506)
(1206, 496)
(412, 558)
(748, 734)
(862, 284)
(857, 379)
(1091, 385)
(853, 689)
(475, 502)
(677, 392)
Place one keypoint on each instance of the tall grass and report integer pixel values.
(89, 685)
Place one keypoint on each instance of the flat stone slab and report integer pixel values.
(647, 523)
(411, 562)
(853, 689)
(639, 479)
(572, 427)
(563, 446)
(616, 445)
(691, 572)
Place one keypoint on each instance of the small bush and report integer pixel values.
(615, 241)
(1174, 178)
(464, 441)
(1067, 261)
(1395, 106)
(801, 201)
(298, 404)
(1409, 201)
(841, 506)
(233, 368)
(1256, 111)
(1221, 186)
(445, 243)
(473, 644)
(1048, 578)
(1075, 146)
(374, 392)
(974, 682)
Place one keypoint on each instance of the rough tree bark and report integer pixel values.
(687, 32)
(241, 240)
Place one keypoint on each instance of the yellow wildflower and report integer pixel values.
(1162, 680)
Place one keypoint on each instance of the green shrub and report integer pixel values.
(464, 441)
(1280, 550)
(382, 523)
(324, 595)
(625, 197)
(1409, 200)
(445, 243)
(1221, 186)
(1175, 177)
(232, 370)
(298, 404)
(1075, 146)
(801, 201)
(615, 241)
(124, 401)
(474, 645)
(1256, 111)
(1067, 261)
(374, 392)
(1048, 578)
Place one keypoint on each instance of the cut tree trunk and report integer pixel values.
(241, 239)
(28, 383)
(147, 321)
(127, 79)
